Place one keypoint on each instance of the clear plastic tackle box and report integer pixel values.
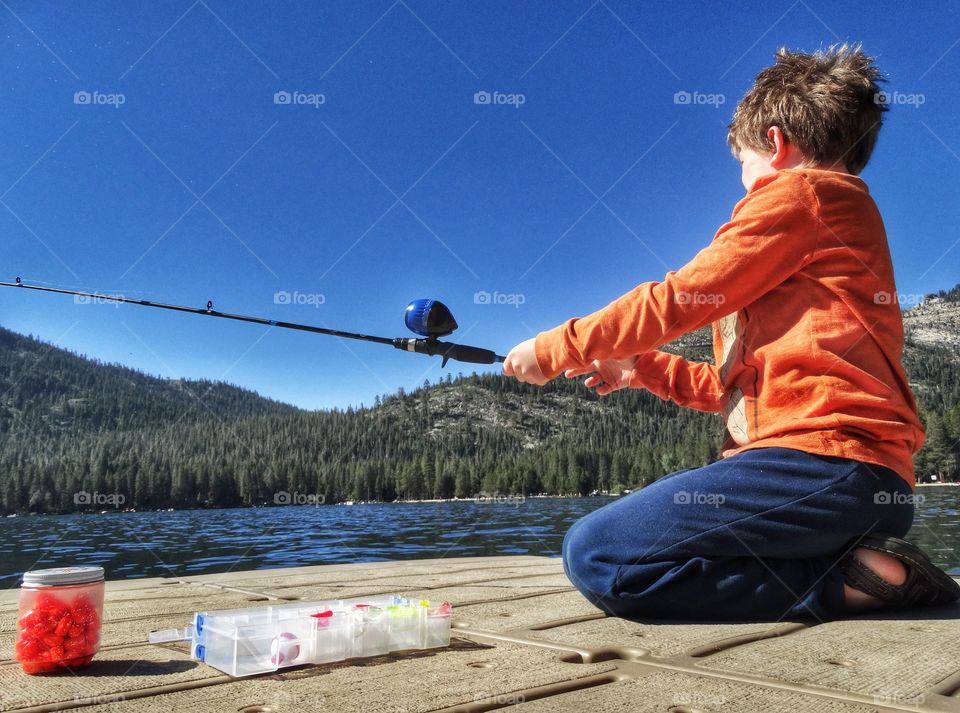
(243, 642)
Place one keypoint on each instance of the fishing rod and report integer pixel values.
(428, 318)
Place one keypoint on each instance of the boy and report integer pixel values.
(803, 513)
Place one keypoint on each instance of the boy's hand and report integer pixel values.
(521, 363)
(606, 376)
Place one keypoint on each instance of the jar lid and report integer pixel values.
(59, 576)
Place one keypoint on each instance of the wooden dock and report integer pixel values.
(523, 637)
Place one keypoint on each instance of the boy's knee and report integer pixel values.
(583, 559)
(571, 543)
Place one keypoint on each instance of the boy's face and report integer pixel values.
(753, 165)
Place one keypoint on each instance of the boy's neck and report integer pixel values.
(838, 167)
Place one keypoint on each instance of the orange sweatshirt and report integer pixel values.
(807, 332)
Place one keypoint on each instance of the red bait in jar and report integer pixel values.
(59, 622)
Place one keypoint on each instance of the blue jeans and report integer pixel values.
(757, 536)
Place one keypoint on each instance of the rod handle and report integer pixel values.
(448, 350)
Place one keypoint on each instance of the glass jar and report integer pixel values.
(59, 621)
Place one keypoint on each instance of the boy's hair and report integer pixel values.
(827, 103)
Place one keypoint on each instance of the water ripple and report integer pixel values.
(164, 544)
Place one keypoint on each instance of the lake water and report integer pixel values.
(192, 542)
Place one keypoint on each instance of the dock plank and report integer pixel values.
(663, 639)
(389, 684)
(524, 613)
(671, 691)
(898, 655)
(115, 672)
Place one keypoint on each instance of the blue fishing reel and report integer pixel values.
(432, 319)
(429, 318)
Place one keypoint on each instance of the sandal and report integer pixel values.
(926, 584)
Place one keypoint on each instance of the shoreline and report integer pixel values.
(499, 499)
(494, 499)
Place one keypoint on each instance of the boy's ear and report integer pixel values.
(778, 141)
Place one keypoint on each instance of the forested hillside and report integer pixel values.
(70, 425)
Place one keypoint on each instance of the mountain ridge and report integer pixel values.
(69, 423)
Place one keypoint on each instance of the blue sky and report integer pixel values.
(146, 152)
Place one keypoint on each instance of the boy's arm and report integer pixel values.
(694, 385)
(772, 232)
